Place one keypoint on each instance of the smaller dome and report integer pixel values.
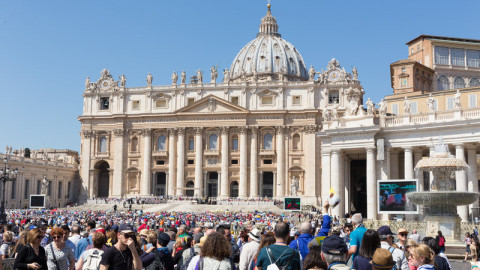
(268, 57)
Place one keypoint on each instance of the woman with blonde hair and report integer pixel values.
(409, 245)
(7, 249)
(32, 255)
(422, 257)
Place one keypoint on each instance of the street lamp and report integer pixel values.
(5, 175)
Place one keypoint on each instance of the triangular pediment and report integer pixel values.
(212, 104)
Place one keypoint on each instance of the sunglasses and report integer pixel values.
(403, 234)
(128, 235)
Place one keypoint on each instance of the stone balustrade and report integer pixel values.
(432, 117)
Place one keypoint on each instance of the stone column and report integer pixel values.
(325, 175)
(394, 165)
(335, 178)
(118, 172)
(146, 188)
(371, 184)
(204, 193)
(198, 161)
(93, 177)
(242, 188)
(309, 148)
(260, 192)
(253, 164)
(85, 164)
(461, 182)
(417, 156)
(385, 165)
(171, 162)
(181, 162)
(430, 174)
(408, 163)
(347, 192)
(280, 162)
(472, 173)
(224, 168)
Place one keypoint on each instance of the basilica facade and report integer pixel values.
(272, 127)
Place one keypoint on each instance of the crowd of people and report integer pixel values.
(61, 240)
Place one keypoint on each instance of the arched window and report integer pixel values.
(190, 185)
(443, 83)
(212, 142)
(161, 143)
(234, 189)
(459, 82)
(103, 144)
(134, 144)
(267, 142)
(191, 143)
(235, 142)
(474, 82)
(296, 142)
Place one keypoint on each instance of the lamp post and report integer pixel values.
(5, 175)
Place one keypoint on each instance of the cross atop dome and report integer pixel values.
(268, 25)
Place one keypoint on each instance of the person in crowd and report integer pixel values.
(382, 260)
(441, 241)
(84, 242)
(88, 256)
(7, 249)
(347, 229)
(440, 262)
(408, 248)
(335, 253)
(183, 243)
(249, 250)
(122, 255)
(235, 251)
(215, 254)
(151, 239)
(143, 237)
(172, 242)
(474, 247)
(32, 255)
(301, 243)
(242, 238)
(370, 243)
(415, 236)
(402, 235)
(279, 253)
(59, 256)
(111, 238)
(68, 243)
(75, 237)
(194, 250)
(467, 240)
(313, 261)
(326, 226)
(422, 257)
(42, 225)
(386, 242)
(161, 251)
(266, 240)
(356, 236)
(21, 241)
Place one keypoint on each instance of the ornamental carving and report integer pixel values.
(254, 131)
(280, 130)
(198, 131)
(87, 134)
(311, 129)
(118, 132)
(181, 131)
(243, 130)
(146, 132)
(172, 131)
(224, 130)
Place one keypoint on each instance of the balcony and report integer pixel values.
(211, 152)
(102, 154)
(267, 152)
(160, 153)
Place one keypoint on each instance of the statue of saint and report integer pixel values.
(294, 186)
(382, 107)
(355, 73)
(406, 105)
(335, 111)
(311, 73)
(226, 76)
(105, 73)
(45, 184)
(123, 80)
(149, 79)
(199, 76)
(327, 115)
(213, 74)
(370, 107)
(183, 77)
(174, 78)
(456, 100)
(431, 103)
(87, 83)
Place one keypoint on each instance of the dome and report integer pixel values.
(268, 57)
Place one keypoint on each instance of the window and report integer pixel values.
(472, 100)
(267, 161)
(190, 101)
(267, 100)
(333, 97)
(412, 51)
(474, 82)
(212, 142)
(103, 144)
(458, 83)
(473, 58)
(234, 161)
(161, 103)
(234, 100)
(296, 100)
(160, 162)
(14, 188)
(191, 143)
(234, 189)
(441, 55)
(134, 144)
(418, 48)
(104, 103)
(69, 186)
(234, 142)
(395, 109)
(443, 83)
(414, 107)
(458, 57)
(27, 189)
(450, 103)
(404, 69)
(190, 162)
(60, 186)
(404, 82)
(135, 104)
(161, 143)
(296, 142)
(267, 141)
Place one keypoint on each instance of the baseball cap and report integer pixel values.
(334, 245)
(384, 230)
(126, 228)
(163, 239)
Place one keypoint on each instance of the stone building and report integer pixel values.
(270, 120)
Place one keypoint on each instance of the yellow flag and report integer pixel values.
(332, 190)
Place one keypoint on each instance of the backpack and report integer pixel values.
(92, 261)
(187, 262)
(157, 263)
(441, 241)
(10, 250)
(274, 265)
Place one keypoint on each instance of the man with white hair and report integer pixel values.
(301, 243)
(357, 235)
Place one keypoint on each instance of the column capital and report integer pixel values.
(407, 148)
(224, 130)
(243, 130)
(172, 131)
(198, 130)
(458, 145)
(326, 152)
(280, 129)
(147, 132)
(118, 132)
(254, 131)
(87, 134)
(370, 149)
(181, 131)
(310, 129)
(336, 151)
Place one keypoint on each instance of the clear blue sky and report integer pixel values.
(48, 48)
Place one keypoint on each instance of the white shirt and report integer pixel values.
(398, 256)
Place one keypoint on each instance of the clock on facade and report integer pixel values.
(334, 76)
